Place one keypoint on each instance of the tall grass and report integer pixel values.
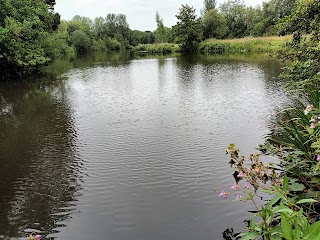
(243, 45)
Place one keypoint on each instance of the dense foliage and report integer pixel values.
(32, 35)
(25, 28)
(293, 212)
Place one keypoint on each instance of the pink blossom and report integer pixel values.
(223, 194)
(235, 187)
(312, 125)
(247, 185)
(312, 120)
(238, 197)
(318, 157)
(240, 174)
(37, 237)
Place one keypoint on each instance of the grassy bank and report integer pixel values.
(243, 45)
(157, 48)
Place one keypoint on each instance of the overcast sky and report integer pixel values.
(140, 13)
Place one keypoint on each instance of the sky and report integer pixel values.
(140, 13)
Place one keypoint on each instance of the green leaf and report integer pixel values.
(315, 145)
(277, 230)
(306, 201)
(285, 183)
(273, 201)
(314, 231)
(251, 236)
(275, 238)
(296, 187)
(286, 228)
(252, 224)
(284, 210)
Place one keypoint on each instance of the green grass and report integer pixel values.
(157, 48)
(243, 45)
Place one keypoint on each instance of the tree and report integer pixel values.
(207, 6)
(98, 28)
(188, 28)
(24, 27)
(303, 53)
(160, 31)
(81, 41)
(116, 26)
(304, 17)
(234, 13)
(214, 24)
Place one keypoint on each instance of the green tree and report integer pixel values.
(207, 6)
(234, 13)
(188, 29)
(160, 33)
(24, 27)
(99, 28)
(304, 18)
(116, 26)
(214, 24)
(303, 52)
(81, 41)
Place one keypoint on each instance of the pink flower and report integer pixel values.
(312, 125)
(318, 157)
(312, 120)
(247, 185)
(235, 187)
(37, 237)
(223, 194)
(238, 197)
(240, 174)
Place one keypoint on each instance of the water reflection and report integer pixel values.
(39, 173)
(130, 147)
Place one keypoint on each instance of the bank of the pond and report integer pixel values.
(223, 46)
(243, 45)
(157, 48)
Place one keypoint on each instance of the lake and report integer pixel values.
(125, 147)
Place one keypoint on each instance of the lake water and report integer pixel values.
(122, 147)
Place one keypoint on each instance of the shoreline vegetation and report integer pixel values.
(33, 35)
(258, 45)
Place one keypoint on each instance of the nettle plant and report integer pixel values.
(285, 216)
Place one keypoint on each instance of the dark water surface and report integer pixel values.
(117, 147)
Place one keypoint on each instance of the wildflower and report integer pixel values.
(312, 120)
(318, 157)
(235, 187)
(238, 197)
(223, 194)
(312, 125)
(247, 185)
(240, 174)
(37, 237)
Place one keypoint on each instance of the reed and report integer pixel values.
(243, 45)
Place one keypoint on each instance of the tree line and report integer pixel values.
(32, 34)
